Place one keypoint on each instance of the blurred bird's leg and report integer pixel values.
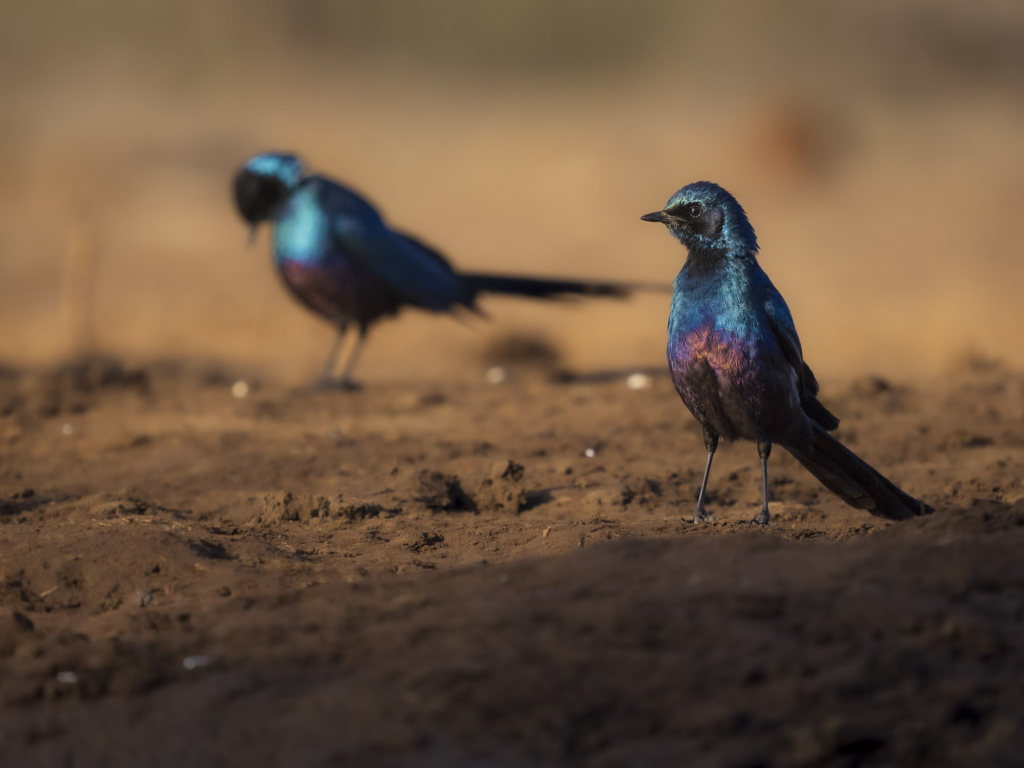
(345, 382)
(332, 358)
(700, 515)
(764, 450)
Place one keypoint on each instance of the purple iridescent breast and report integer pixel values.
(727, 353)
(341, 291)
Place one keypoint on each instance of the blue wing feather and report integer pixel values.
(785, 332)
(414, 273)
(783, 325)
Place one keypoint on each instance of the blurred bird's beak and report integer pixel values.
(659, 216)
(252, 235)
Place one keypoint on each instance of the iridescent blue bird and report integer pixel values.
(736, 361)
(337, 255)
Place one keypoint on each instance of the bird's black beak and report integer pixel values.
(659, 216)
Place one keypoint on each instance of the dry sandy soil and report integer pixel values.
(437, 575)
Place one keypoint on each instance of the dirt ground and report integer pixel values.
(440, 575)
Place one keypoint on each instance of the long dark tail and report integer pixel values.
(543, 288)
(855, 481)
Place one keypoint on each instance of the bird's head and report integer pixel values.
(264, 183)
(705, 217)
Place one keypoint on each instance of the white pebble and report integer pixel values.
(240, 389)
(495, 375)
(638, 381)
(194, 662)
(590, 453)
(67, 430)
(67, 678)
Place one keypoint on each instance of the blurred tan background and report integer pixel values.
(877, 146)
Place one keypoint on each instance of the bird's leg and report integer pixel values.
(764, 450)
(700, 515)
(332, 358)
(345, 382)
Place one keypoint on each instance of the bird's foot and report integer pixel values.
(763, 518)
(338, 385)
(701, 515)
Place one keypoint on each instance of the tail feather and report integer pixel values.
(855, 481)
(544, 288)
(819, 414)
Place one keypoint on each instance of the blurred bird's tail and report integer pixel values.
(855, 481)
(543, 288)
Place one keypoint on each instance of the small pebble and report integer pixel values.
(67, 430)
(590, 453)
(240, 389)
(67, 678)
(638, 381)
(495, 375)
(195, 662)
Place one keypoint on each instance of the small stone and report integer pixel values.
(496, 375)
(637, 381)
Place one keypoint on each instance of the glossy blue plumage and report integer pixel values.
(736, 360)
(277, 165)
(724, 355)
(735, 236)
(339, 257)
(724, 348)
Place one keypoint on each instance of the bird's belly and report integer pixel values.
(339, 291)
(725, 379)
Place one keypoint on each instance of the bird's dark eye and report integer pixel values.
(694, 211)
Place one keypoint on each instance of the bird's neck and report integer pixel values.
(708, 261)
(301, 231)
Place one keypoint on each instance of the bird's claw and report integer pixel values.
(701, 515)
(763, 518)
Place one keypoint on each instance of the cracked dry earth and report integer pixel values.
(438, 575)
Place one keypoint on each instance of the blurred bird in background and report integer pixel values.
(736, 361)
(337, 255)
